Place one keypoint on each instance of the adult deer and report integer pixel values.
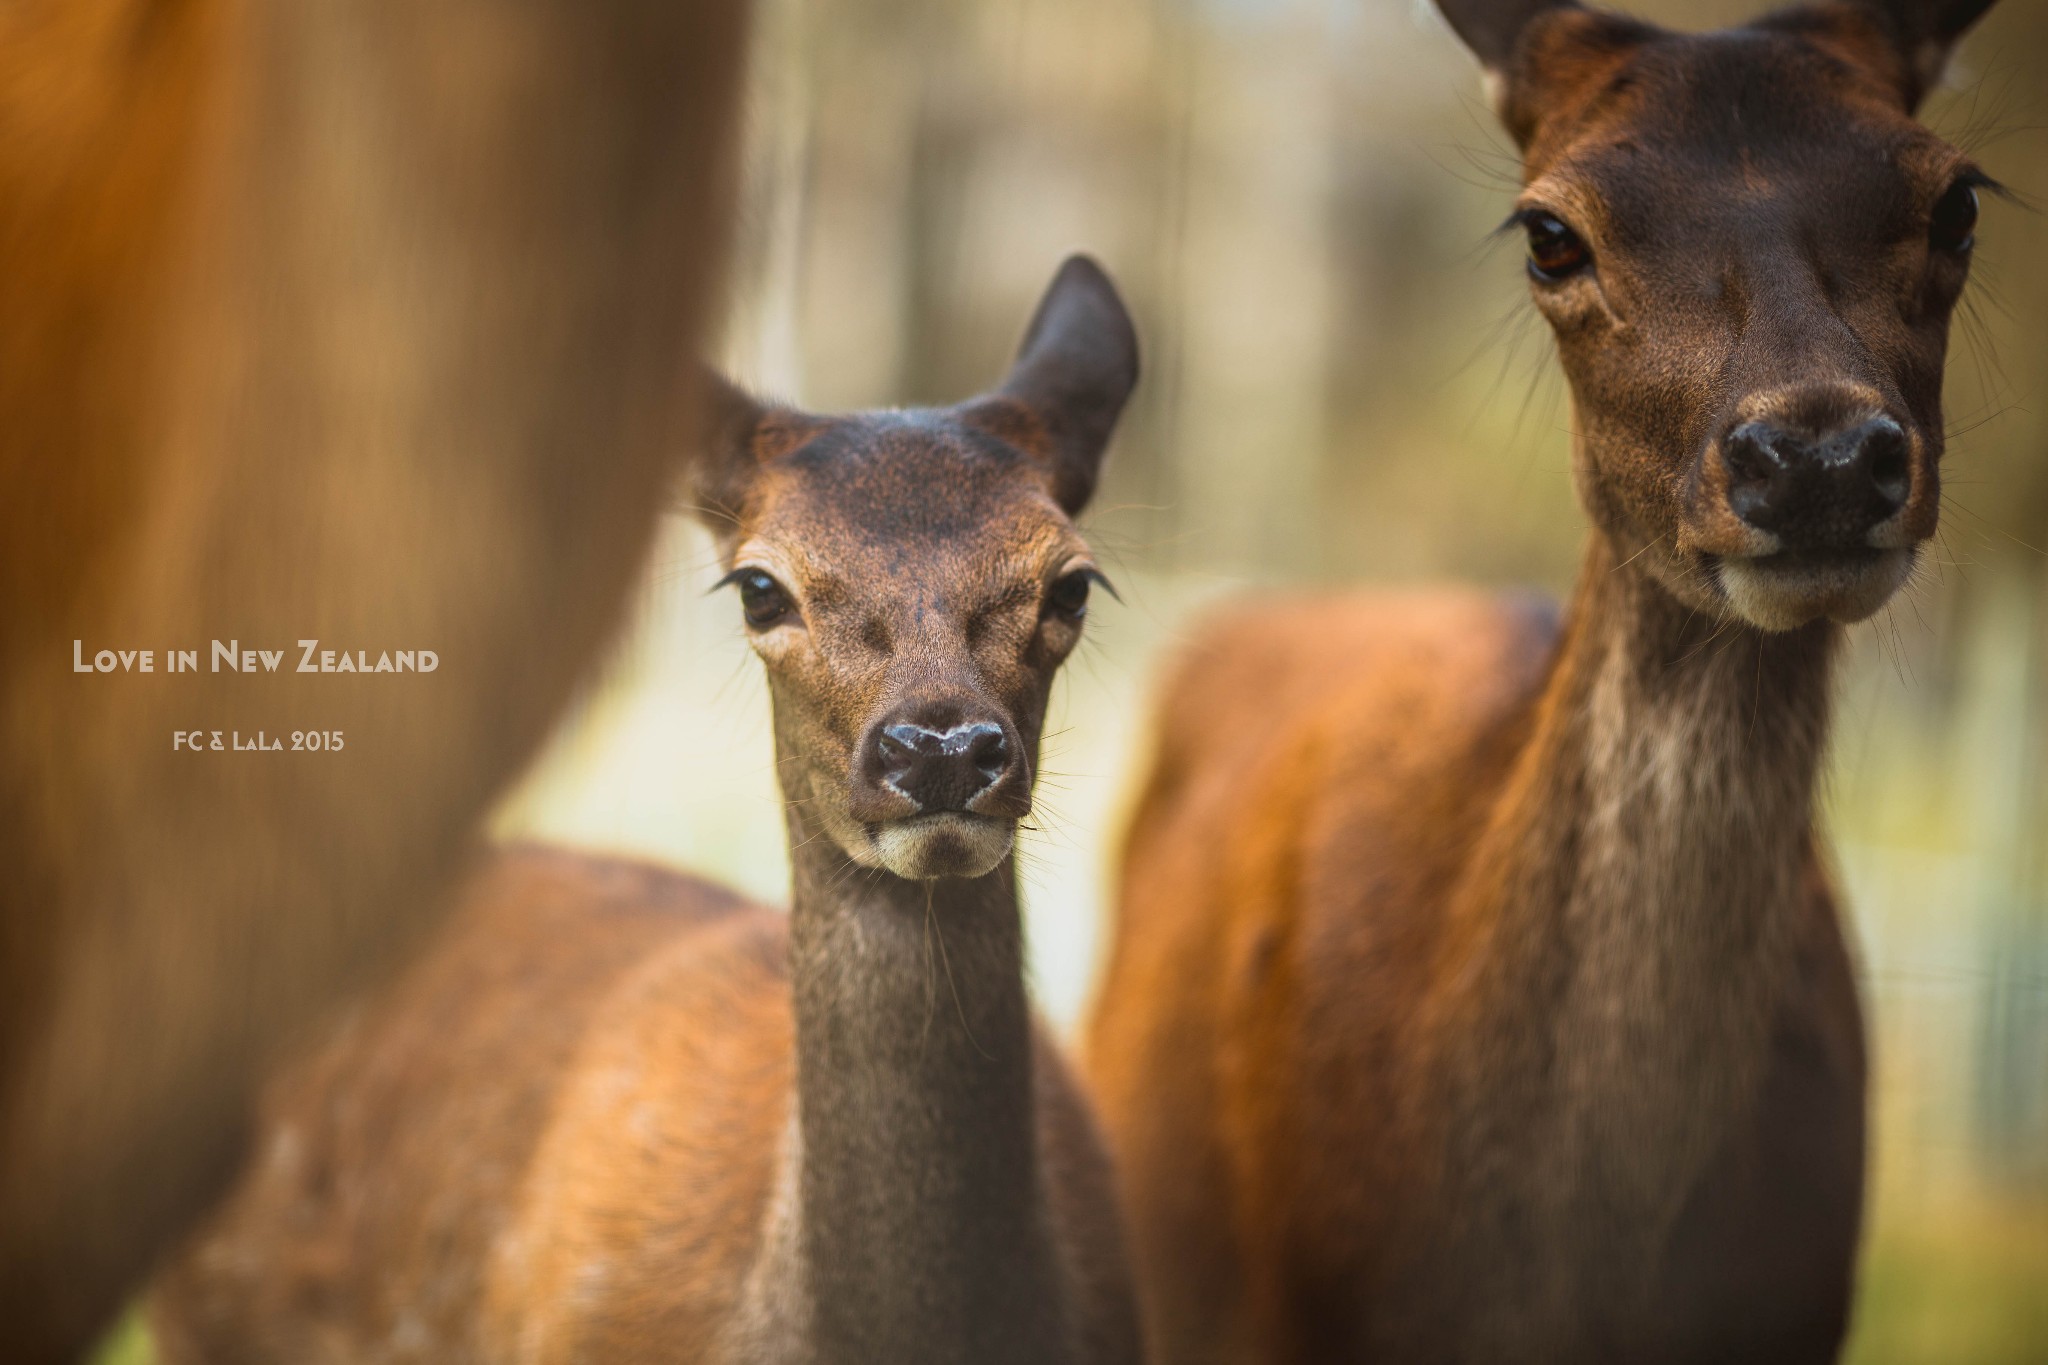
(1480, 993)
(367, 322)
(618, 1115)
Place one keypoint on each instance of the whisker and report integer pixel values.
(953, 985)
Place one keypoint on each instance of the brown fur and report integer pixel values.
(1479, 993)
(554, 1138)
(617, 1116)
(362, 322)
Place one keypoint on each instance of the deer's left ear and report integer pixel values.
(1072, 376)
(1924, 32)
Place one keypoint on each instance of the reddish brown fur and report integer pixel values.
(1479, 994)
(1269, 1045)
(366, 322)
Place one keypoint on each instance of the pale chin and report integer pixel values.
(929, 846)
(1777, 594)
(922, 847)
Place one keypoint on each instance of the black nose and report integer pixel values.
(1820, 493)
(942, 770)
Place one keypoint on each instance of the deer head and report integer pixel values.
(1748, 250)
(912, 580)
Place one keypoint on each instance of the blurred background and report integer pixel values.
(1345, 382)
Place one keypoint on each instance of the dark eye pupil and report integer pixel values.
(1069, 595)
(761, 599)
(1955, 219)
(1554, 249)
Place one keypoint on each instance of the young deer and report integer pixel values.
(1480, 993)
(618, 1115)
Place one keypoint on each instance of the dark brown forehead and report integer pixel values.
(1783, 93)
(896, 495)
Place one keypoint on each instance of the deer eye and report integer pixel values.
(762, 600)
(1555, 251)
(1953, 225)
(1068, 595)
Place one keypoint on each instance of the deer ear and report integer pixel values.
(1491, 28)
(1924, 32)
(737, 434)
(1534, 50)
(716, 478)
(1076, 368)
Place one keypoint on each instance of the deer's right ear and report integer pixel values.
(1492, 28)
(1072, 376)
(737, 434)
(1531, 50)
(721, 466)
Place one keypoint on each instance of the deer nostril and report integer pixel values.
(1884, 457)
(989, 750)
(899, 745)
(1755, 466)
(1752, 451)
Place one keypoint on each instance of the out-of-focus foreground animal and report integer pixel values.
(618, 1115)
(366, 323)
(1480, 992)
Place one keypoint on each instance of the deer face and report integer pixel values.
(913, 581)
(1748, 250)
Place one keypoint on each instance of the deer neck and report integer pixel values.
(914, 1216)
(1632, 909)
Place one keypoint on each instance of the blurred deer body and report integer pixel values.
(363, 322)
(1480, 994)
(616, 1115)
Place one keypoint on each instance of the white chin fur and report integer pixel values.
(1777, 594)
(931, 846)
